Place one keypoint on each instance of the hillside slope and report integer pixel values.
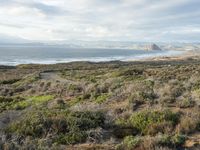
(113, 105)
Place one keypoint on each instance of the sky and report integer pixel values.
(99, 20)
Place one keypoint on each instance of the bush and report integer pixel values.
(172, 141)
(188, 125)
(31, 101)
(5, 99)
(11, 81)
(69, 127)
(140, 98)
(164, 140)
(186, 103)
(162, 127)
(100, 99)
(71, 138)
(177, 91)
(87, 120)
(198, 125)
(7, 103)
(145, 119)
(75, 88)
(129, 143)
(178, 140)
(131, 72)
(167, 100)
(31, 126)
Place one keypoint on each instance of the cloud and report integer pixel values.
(138, 20)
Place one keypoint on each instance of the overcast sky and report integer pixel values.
(116, 20)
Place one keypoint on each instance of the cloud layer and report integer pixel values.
(126, 20)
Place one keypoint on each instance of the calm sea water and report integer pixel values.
(14, 55)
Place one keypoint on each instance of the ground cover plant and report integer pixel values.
(107, 105)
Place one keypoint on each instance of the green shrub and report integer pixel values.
(198, 125)
(76, 100)
(131, 72)
(172, 141)
(86, 96)
(71, 138)
(6, 99)
(144, 93)
(100, 99)
(19, 103)
(122, 122)
(161, 127)
(75, 88)
(70, 127)
(143, 120)
(31, 101)
(186, 103)
(6, 103)
(31, 125)
(27, 80)
(87, 120)
(196, 86)
(148, 96)
(11, 81)
(178, 140)
(177, 91)
(188, 125)
(129, 143)
(165, 140)
(150, 122)
(167, 100)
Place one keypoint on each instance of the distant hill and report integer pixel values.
(5, 39)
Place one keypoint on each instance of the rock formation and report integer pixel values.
(153, 47)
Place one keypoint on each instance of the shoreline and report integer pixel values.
(184, 55)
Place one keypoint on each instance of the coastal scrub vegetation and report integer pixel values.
(107, 105)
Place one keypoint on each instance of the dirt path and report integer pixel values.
(51, 76)
(54, 76)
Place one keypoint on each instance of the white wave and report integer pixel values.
(15, 62)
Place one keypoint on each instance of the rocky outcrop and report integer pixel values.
(153, 47)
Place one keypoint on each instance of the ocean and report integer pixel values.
(14, 55)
